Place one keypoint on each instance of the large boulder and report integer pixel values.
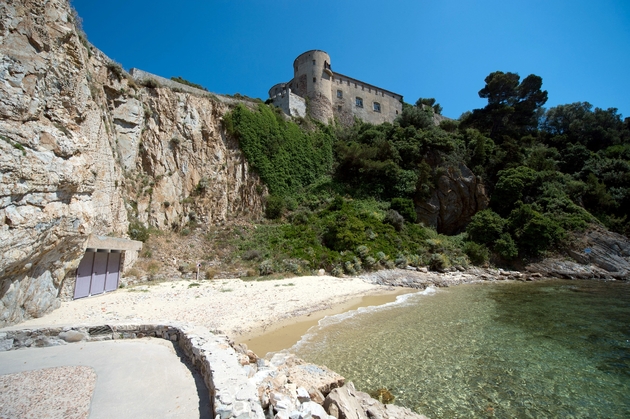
(286, 382)
(348, 403)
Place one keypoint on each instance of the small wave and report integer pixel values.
(401, 300)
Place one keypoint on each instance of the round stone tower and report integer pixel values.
(313, 79)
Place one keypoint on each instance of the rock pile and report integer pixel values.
(422, 278)
(290, 388)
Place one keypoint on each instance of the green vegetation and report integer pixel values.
(188, 83)
(116, 69)
(286, 157)
(550, 172)
(345, 198)
(344, 236)
(14, 145)
(150, 83)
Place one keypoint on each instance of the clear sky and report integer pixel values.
(418, 48)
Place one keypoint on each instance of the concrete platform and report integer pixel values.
(143, 378)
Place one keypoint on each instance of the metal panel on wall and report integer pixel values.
(99, 273)
(113, 272)
(84, 276)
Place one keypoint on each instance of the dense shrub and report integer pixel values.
(347, 191)
(395, 219)
(274, 207)
(406, 208)
(438, 262)
(534, 231)
(137, 231)
(477, 253)
(266, 268)
(485, 227)
(506, 247)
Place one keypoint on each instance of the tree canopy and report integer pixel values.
(513, 105)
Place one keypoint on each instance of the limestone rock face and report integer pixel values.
(83, 147)
(458, 196)
(185, 168)
(54, 157)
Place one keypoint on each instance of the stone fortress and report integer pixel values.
(326, 95)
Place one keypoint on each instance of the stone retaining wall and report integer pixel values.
(231, 393)
(140, 75)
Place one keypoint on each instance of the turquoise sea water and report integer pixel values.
(549, 349)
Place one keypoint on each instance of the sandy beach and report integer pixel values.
(242, 310)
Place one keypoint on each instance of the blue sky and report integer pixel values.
(418, 48)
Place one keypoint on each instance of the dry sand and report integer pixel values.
(240, 309)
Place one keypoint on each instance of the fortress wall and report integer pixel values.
(390, 103)
(140, 75)
(289, 102)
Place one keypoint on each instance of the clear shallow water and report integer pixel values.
(550, 349)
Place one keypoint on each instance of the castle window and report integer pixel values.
(377, 107)
(338, 108)
(359, 102)
(313, 62)
(314, 80)
(339, 94)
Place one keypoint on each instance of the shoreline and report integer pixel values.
(248, 310)
(273, 311)
(239, 309)
(287, 332)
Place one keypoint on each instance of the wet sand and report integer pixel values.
(286, 333)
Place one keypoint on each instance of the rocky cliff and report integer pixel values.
(84, 150)
(457, 196)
